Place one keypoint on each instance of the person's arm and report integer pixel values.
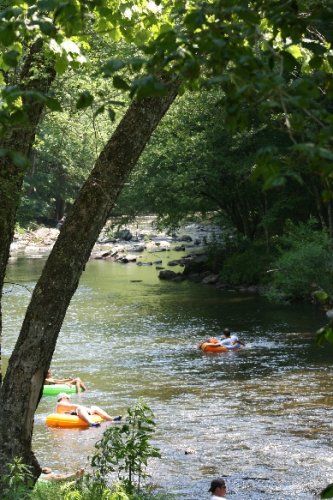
(52, 476)
(53, 381)
(225, 342)
(49, 381)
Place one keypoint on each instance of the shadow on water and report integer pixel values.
(261, 417)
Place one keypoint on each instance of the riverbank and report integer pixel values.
(139, 244)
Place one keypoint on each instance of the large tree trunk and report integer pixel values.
(33, 352)
(20, 140)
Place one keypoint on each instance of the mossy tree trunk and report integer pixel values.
(31, 358)
(37, 74)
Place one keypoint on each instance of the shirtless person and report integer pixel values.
(65, 406)
(48, 475)
(69, 381)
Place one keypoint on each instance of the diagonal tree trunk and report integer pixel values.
(21, 389)
(20, 140)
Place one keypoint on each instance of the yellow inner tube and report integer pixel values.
(69, 421)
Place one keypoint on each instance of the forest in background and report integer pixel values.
(84, 85)
(277, 236)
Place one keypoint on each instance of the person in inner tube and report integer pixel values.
(64, 405)
(230, 341)
(50, 380)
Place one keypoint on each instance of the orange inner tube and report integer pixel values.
(212, 345)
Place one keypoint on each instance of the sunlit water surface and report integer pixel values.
(261, 417)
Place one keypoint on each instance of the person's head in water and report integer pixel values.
(63, 396)
(218, 488)
(226, 332)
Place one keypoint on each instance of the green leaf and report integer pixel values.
(289, 61)
(316, 48)
(191, 69)
(18, 117)
(61, 64)
(53, 104)
(316, 62)
(99, 111)
(324, 334)
(19, 160)
(327, 492)
(148, 86)
(112, 114)
(120, 83)
(329, 335)
(136, 63)
(321, 296)
(48, 5)
(48, 28)
(11, 58)
(10, 12)
(112, 65)
(85, 100)
(7, 34)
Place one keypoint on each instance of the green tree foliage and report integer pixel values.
(194, 164)
(304, 265)
(247, 267)
(266, 56)
(18, 481)
(66, 147)
(126, 449)
(327, 492)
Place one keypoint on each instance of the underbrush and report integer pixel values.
(122, 453)
(304, 264)
(299, 262)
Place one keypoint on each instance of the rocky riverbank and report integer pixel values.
(138, 244)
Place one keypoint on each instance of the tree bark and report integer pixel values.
(20, 140)
(31, 358)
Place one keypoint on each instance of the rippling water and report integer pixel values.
(260, 417)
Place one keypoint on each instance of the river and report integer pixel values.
(261, 417)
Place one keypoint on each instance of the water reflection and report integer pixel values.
(260, 416)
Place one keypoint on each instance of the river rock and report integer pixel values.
(127, 258)
(124, 234)
(186, 237)
(210, 279)
(177, 262)
(170, 275)
(195, 264)
(138, 248)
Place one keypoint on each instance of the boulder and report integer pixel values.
(169, 275)
(124, 234)
(211, 279)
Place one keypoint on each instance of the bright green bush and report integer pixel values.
(305, 264)
(126, 449)
(17, 482)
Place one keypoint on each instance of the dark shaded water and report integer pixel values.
(261, 417)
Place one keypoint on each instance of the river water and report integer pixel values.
(261, 417)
